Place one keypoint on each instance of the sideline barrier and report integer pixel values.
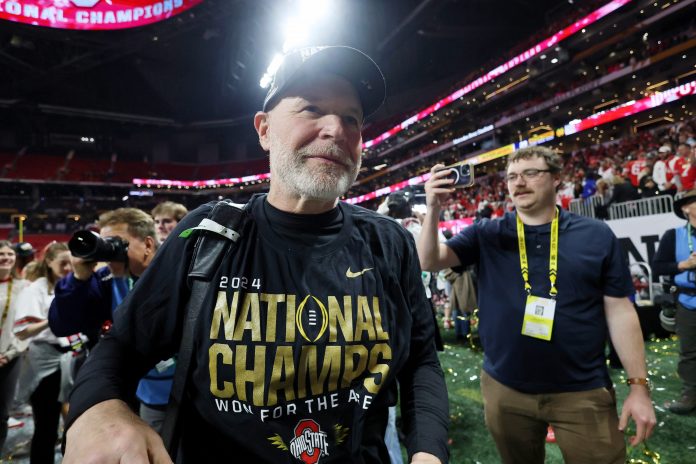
(648, 206)
(585, 206)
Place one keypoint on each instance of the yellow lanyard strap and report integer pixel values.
(553, 256)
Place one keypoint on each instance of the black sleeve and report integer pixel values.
(665, 260)
(147, 325)
(424, 404)
(112, 371)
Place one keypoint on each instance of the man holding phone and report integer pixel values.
(564, 284)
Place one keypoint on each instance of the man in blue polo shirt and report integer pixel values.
(551, 285)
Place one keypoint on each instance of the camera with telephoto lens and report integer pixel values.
(90, 246)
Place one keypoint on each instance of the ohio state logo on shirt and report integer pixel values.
(310, 443)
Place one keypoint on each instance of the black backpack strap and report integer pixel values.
(219, 232)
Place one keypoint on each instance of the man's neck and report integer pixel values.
(692, 221)
(537, 217)
(292, 203)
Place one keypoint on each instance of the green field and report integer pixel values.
(674, 438)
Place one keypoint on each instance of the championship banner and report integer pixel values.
(92, 14)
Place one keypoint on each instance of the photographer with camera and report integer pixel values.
(85, 299)
(676, 257)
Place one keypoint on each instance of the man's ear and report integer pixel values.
(261, 126)
(150, 246)
(557, 180)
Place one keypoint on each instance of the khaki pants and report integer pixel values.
(585, 424)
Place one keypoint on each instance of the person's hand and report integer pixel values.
(638, 405)
(3, 360)
(688, 263)
(82, 269)
(437, 189)
(424, 458)
(110, 433)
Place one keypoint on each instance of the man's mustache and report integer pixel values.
(332, 152)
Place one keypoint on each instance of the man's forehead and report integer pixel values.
(324, 87)
(119, 229)
(524, 163)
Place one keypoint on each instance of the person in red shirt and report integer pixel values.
(689, 178)
(677, 167)
(634, 169)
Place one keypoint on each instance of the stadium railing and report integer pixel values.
(647, 206)
(585, 206)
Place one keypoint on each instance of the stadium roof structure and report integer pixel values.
(201, 68)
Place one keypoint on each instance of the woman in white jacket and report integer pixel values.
(10, 348)
(41, 375)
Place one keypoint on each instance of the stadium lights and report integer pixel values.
(267, 78)
(309, 14)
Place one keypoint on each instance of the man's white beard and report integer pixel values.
(323, 182)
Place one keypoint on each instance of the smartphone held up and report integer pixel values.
(462, 175)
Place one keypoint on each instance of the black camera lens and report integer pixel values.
(90, 246)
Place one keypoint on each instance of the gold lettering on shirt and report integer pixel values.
(340, 319)
(271, 313)
(256, 361)
(249, 318)
(219, 350)
(225, 315)
(254, 376)
(381, 334)
(380, 352)
(363, 322)
(354, 367)
(308, 369)
(282, 376)
(290, 326)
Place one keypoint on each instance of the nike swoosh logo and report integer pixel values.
(351, 275)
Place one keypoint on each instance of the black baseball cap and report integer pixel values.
(24, 249)
(347, 62)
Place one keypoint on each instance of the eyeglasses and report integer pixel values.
(527, 174)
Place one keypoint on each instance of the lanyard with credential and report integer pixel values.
(553, 256)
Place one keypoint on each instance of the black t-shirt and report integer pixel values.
(298, 345)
